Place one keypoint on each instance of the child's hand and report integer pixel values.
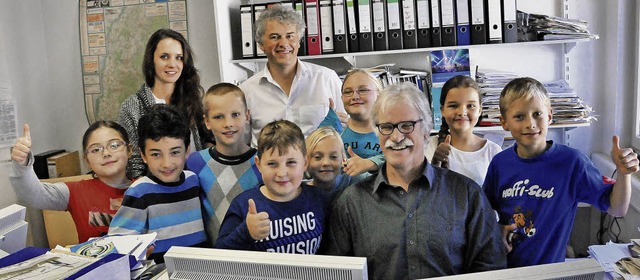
(356, 165)
(20, 151)
(258, 223)
(506, 230)
(442, 152)
(626, 160)
(344, 118)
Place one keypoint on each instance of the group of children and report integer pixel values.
(238, 197)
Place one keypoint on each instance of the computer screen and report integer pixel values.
(200, 263)
(13, 228)
(584, 269)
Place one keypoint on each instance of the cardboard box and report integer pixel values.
(64, 164)
(40, 163)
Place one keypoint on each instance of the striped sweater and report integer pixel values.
(172, 210)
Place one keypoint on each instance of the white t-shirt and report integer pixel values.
(471, 164)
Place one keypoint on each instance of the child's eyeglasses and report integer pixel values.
(113, 146)
(404, 127)
(362, 91)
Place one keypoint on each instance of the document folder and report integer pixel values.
(298, 6)
(365, 31)
(478, 23)
(257, 10)
(494, 20)
(394, 26)
(380, 42)
(246, 20)
(423, 10)
(352, 25)
(326, 26)
(314, 45)
(463, 34)
(448, 21)
(409, 28)
(509, 29)
(339, 27)
(436, 37)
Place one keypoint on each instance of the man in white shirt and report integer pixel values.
(288, 88)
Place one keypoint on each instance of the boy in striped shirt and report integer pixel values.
(167, 199)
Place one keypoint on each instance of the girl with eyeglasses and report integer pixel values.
(92, 203)
(359, 91)
(456, 147)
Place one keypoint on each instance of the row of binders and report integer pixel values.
(342, 26)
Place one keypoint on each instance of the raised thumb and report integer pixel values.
(252, 207)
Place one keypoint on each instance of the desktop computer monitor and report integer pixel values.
(584, 269)
(13, 229)
(200, 263)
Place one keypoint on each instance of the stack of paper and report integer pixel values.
(491, 83)
(607, 255)
(134, 245)
(543, 27)
(567, 106)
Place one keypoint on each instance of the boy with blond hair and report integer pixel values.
(228, 168)
(283, 215)
(535, 186)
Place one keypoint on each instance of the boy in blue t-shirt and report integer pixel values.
(228, 168)
(167, 200)
(284, 215)
(535, 186)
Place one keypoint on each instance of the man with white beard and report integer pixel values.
(414, 220)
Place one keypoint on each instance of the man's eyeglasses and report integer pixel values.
(362, 91)
(404, 127)
(113, 146)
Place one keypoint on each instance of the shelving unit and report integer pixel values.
(569, 44)
(544, 60)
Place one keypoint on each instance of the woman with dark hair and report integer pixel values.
(92, 203)
(170, 78)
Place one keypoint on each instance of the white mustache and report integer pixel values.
(406, 142)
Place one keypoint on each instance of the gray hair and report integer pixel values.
(281, 13)
(404, 92)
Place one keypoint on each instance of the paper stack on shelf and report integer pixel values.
(543, 27)
(567, 106)
(491, 83)
(389, 74)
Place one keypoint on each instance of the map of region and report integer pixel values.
(113, 35)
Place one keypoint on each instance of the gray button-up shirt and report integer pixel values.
(443, 225)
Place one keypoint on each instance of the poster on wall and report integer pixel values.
(113, 36)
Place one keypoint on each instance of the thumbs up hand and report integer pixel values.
(625, 159)
(258, 224)
(442, 152)
(356, 165)
(20, 151)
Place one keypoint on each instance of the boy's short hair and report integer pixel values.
(160, 121)
(222, 89)
(522, 87)
(281, 135)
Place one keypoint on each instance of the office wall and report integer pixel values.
(42, 50)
